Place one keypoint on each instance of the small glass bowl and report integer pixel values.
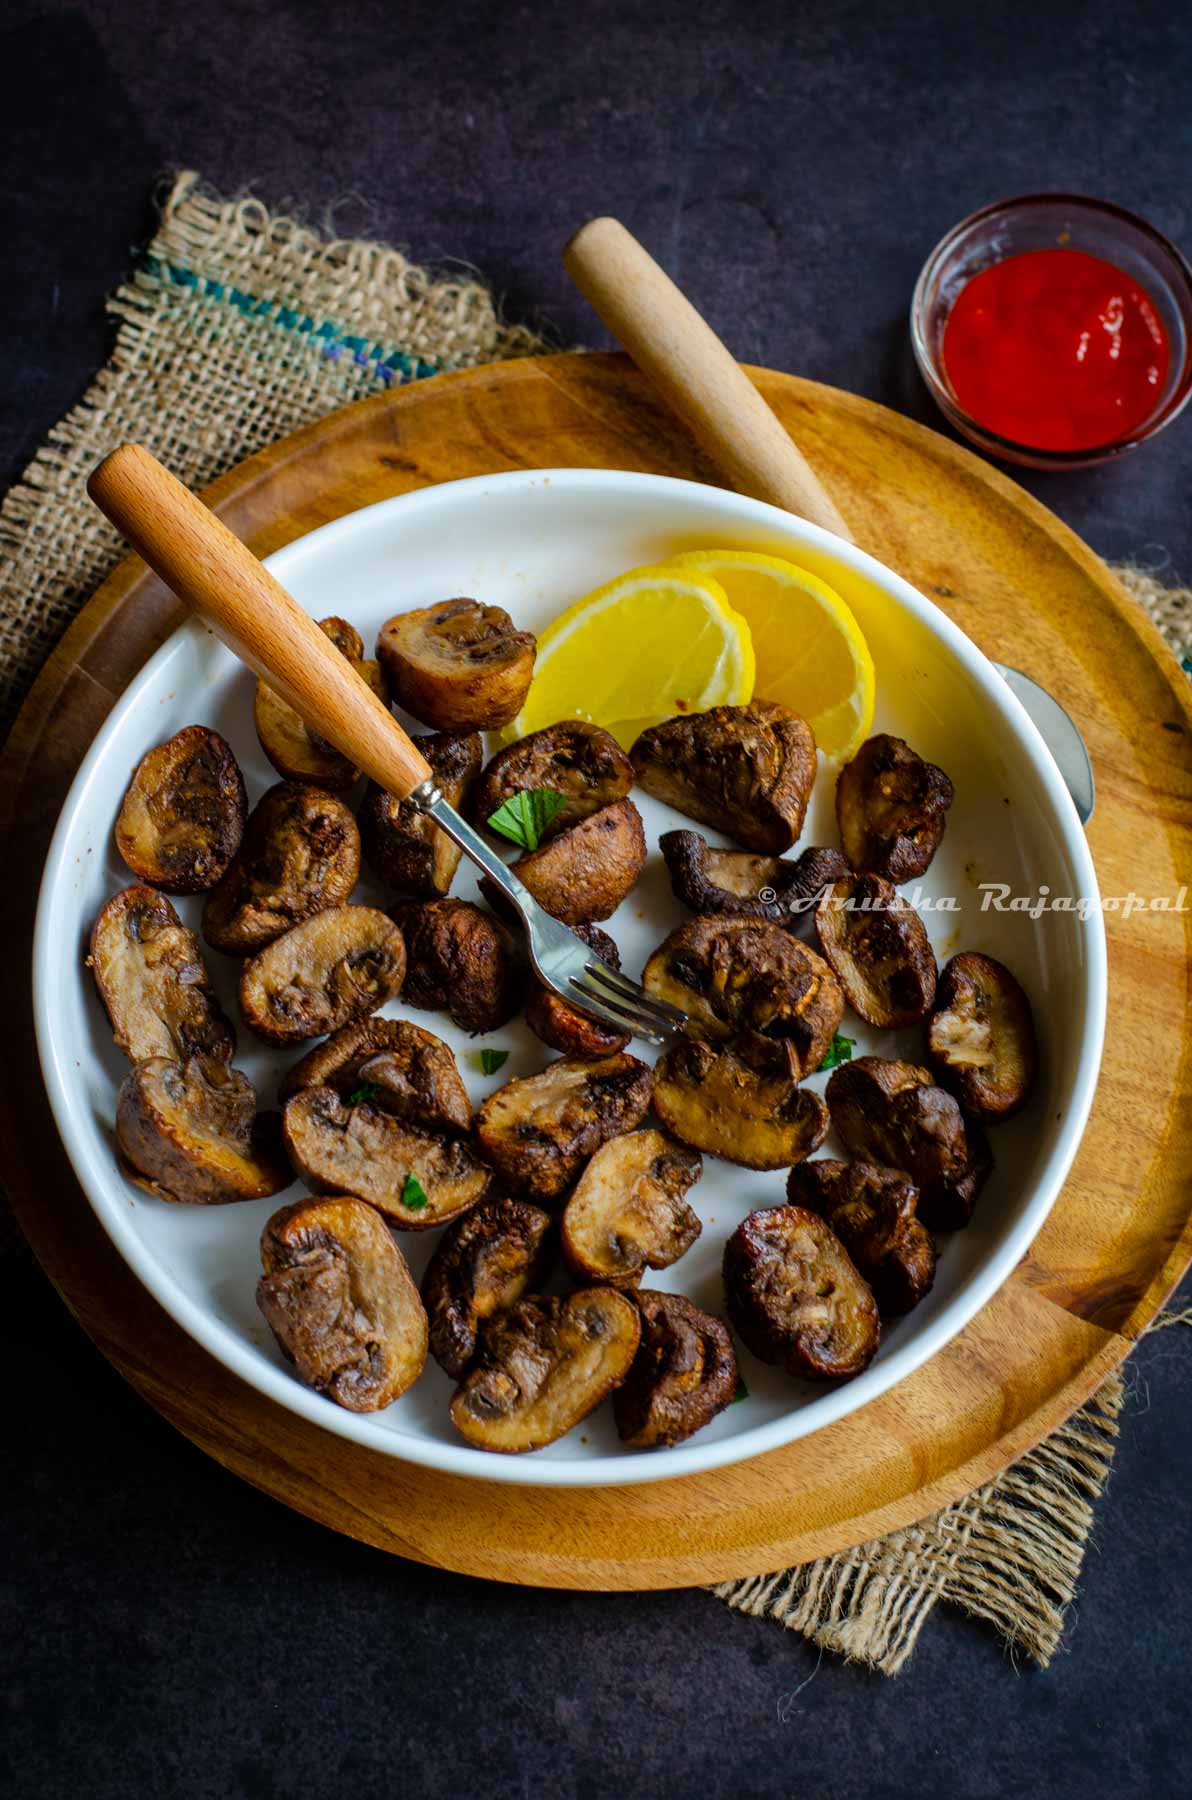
(1045, 222)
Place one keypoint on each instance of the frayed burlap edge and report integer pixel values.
(1170, 608)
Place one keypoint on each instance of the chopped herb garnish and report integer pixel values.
(526, 815)
(413, 1195)
(489, 1061)
(368, 1090)
(742, 1392)
(839, 1050)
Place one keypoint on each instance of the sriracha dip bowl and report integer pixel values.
(1055, 330)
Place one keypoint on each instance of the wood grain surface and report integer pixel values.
(1118, 1238)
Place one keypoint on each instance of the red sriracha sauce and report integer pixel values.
(1056, 349)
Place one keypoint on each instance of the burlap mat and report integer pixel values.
(240, 326)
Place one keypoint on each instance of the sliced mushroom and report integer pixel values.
(329, 971)
(537, 1132)
(563, 1026)
(339, 1299)
(149, 970)
(587, 872)
(796, 1299)
(296, 751)
(394, 1063)
(182, 817)
(458, 665)
(740, 885)
(744, 770)
(891, 808)
(402, 845)
(742, 1103)
(892, 1114)
(543, 1366)
(873, 1212)
(629, 1210)
(684, 1373)
(481, 1265)
(878, 946)
(190, 1132)
(300, 855)
(362, 1149)
(981, 1039)
(738, 978)
(579, 760)
(462, 961)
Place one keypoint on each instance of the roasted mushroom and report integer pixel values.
(795, 1297)
(415, 1177)
(300, 855)
(576, 759)
(878, 946)
(481, 1265)
(458, 665)
(182, 818)
(629, 1210)
(296, 751)
(745, 979)
(740, 885)
(543, 1366)
(684, 1373)
(149, 970)
(394, 1063)
(587, 872)
(339, 1299)
(744, 770)
(190, 1132)
(402, 845)
(739, 1101)
(462, 961)
(981, 1039)
(892, 1114)
(537, 1132)
(563, 1026)
(874, 1214)
(329, 971)
(891, 808)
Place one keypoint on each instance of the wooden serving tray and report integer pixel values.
(1120, 1236)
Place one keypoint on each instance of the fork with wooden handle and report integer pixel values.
(220, 579)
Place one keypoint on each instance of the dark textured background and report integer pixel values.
(167, 1631)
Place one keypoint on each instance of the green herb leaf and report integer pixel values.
(489, 1061)
(413, 1195)
(368, 1090)
(742, 1392)
(526, 815)
(839, 1050)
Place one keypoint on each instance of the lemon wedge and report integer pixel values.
(655, 642)
(810, 653)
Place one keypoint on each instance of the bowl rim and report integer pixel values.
(691, 1458)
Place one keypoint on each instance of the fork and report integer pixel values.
(220, 579)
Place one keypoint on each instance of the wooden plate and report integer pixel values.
(1117, 1240)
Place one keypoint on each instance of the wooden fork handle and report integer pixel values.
(221, 580)
(694, 371)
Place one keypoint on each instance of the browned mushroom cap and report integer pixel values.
(579, 760)
(891, 808)
(629, 1212)
(326, 972)
(292, 747)
(300, 855)
(340, 1301)
(744, 886)
(981, 1038)
(892, 1114)
(401, 844)
(878, 946)
(684, 1373)
(543, 1366)
(737, 977)
(539, 1131)
(738, 1101)
(364, 1150)
(462, 961)
(587, 872)
(796, 1299)
(481, 1265)
(191, 1132)
(873, 1213)
(394, 1063)
(564, 1027)
(149, 970)
(182, 818)
(458, 665)
(744, 770)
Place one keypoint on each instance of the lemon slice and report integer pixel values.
(810, 653)
(655, 642)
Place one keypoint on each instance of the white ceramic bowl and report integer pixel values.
(533, 542)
